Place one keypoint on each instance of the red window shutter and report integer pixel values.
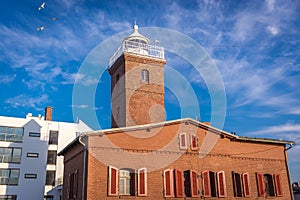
(260, 184)
(182, 141)
(278, 185)
(113, 181)
(194, 142)
(179, 189)
(168, 183)
(194, 183)
(206, 184)
(142, 182)
(246, 185)
(221, 184)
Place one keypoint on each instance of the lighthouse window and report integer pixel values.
(145, 76)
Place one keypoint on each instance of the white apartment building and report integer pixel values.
(29, 166)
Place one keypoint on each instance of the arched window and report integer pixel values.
(145, 76)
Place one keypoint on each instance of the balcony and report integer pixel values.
(138, 48)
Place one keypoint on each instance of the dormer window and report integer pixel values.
(145, 76)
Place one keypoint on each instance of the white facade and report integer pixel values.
(28, 154)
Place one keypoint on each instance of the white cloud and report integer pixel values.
(85, 106)
(82, 106)
(294, 111)
(33, 84)
(294, 153)
(5, 79)
(83, 79)
(270, 4)
(25, 101)
(273, 30)
(288, 131)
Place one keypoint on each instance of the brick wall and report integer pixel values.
(73, 163)
(138, 102)
(227, 155)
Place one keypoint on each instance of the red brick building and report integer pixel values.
(145, 157)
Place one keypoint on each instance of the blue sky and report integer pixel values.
(254, 45)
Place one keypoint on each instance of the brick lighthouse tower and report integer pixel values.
(137, 82)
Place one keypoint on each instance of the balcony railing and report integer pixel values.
(139, 49)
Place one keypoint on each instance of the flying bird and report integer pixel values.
(42, 6)
(53, 18)
(41, 28)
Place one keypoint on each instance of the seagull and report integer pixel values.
(42, 6)
(41, 28)
(53, 18)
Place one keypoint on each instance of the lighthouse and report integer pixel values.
(137, 82)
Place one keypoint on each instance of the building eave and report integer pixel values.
(160, 124)
(202, 125)
(265, 140)
(69, 147)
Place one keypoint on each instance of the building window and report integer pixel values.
(191, 183)
(145, 76)
(33, 155)
(33, 134)
(11, 134)
(10, 154)
(126, 182)
(182, 141)
(270, 190)
(237, 184)
(8, 197)
(123, 181)
(209, 184)
(118, 114)
(50, 178)
(9, 176)
(49, 197)
(117, 78)
(194, 142)
(265, 184)
(73, 185)
(51, 159)
(32, 176)
(53, 137)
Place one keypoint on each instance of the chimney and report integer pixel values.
(48, 113)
